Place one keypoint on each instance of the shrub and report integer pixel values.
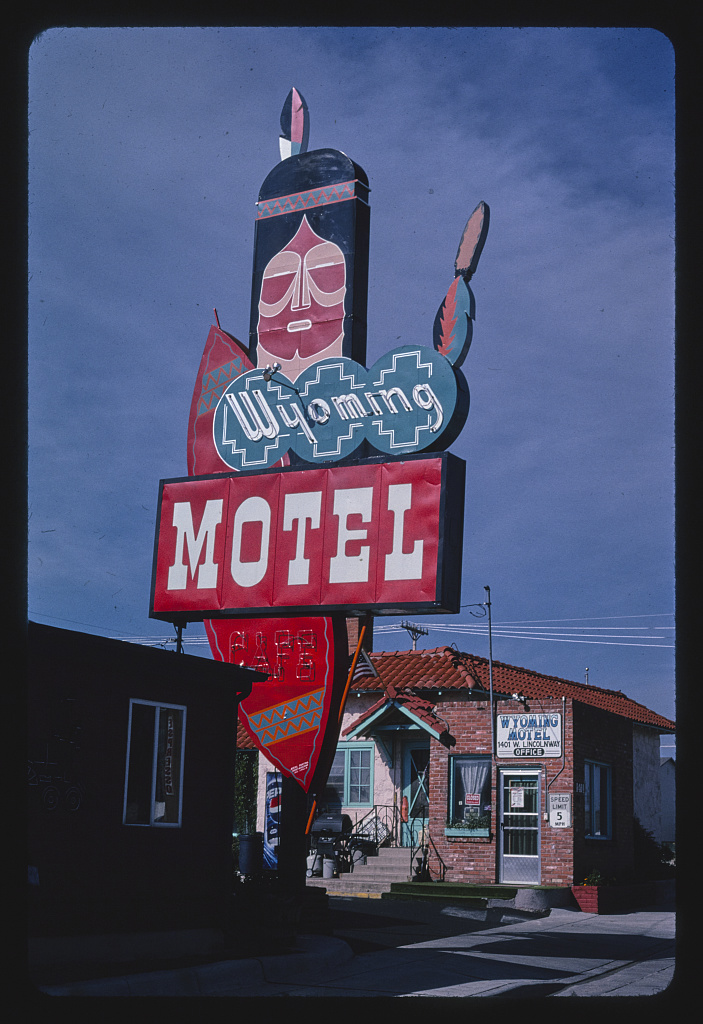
(650, 857)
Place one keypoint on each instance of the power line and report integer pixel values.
(590, 618)
(649, 614)
(610, 640)
(538, 630)
(501, 629)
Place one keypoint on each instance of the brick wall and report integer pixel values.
(475, 859)
(459, 859)
(605, 738)
(353, 629)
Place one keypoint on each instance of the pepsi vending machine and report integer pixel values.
(272, 821)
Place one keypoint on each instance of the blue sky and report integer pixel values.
(147, 148)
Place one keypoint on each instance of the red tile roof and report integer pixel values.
(416, 673)
(445, 668)
(244, 740)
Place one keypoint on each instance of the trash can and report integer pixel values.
(358, 857)
(329, 867)
(251, 853)
(314, 865)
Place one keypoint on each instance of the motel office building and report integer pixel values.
(573, 765)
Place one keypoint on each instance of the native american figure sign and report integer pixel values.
(311, 246)
(300, 393)
(308, 300)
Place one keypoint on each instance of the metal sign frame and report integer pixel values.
(382, 514)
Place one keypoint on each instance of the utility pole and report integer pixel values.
(490, 670)
(415, 631)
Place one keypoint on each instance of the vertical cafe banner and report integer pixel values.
(293, 718)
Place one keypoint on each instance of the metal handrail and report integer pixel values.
(424, 837)
(442, 865)
(377, 826)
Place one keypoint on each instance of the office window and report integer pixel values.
(598, 800)
(154, 771)
(350, 781)
(469, 795)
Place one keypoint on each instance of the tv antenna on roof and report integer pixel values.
(415, 631)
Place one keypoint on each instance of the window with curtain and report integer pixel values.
(598, 780)
(469, 795)
(154, 772)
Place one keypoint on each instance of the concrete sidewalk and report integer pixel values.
(445, 952)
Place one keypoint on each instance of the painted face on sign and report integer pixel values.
(301, 306)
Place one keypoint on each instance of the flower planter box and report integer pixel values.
(609, 899)
(590, 898)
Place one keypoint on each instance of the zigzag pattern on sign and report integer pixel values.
(305, 200)
(291, 727)
(288, 709)
(292, 717)
(215, 382)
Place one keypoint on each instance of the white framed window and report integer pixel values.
(350, 781)
(598, 788)
(153, 791)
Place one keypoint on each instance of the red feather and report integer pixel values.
(447, 326)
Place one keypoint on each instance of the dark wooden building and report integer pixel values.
(130, 785)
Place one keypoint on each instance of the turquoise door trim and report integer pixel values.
(415, 764)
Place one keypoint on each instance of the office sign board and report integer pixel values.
(530, 734)
(375, 536)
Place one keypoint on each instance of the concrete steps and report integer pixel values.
(343, 886)
(458, 891)
(391, 865)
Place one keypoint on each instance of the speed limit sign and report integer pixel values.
(560, 810)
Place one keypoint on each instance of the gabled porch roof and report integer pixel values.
(418, 712)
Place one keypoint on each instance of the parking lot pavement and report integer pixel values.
(412, 949)
(386, 948)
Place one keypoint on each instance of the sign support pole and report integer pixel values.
(292, 850)
(352, 670)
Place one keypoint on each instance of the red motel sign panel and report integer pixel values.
(374, 536)
(292, 717)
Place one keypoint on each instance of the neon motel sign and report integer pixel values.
(316, 488)
(381, 536)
